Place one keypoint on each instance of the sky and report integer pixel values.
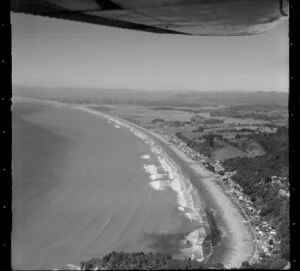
(53, 53)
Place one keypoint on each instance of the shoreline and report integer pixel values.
(235, 245)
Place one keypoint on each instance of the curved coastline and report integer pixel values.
(236, 245)
(189, 203)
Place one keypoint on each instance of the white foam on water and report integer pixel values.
(160, 184)
(196, 238)
(151, 169)
(145, 156)
(187, 198)
(156, 176)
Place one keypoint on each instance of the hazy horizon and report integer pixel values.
(142, 90)
(56, 53)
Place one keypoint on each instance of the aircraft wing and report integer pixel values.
(191, 17)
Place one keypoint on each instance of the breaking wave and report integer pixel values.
(172, 178)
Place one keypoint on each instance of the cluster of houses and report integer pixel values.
(265, 234)
(282, 184)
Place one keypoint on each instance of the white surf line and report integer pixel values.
(175, 174)
(178, 186)
(185, 199)
(131, 127)
(70, 267)
(137, 130)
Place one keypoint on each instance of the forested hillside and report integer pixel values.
(266, 180)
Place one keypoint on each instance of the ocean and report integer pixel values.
(85, 185)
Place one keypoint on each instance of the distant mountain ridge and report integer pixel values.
(148, 97)
(235, 97)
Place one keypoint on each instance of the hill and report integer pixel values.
(159, 97)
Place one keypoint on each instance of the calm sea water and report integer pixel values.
(80, 190)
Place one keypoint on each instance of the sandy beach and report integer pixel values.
(237, 235)
(237, 243)
(85, 186)
(168, 176)
(156, 205)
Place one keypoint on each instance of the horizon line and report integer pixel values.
(143, 90)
